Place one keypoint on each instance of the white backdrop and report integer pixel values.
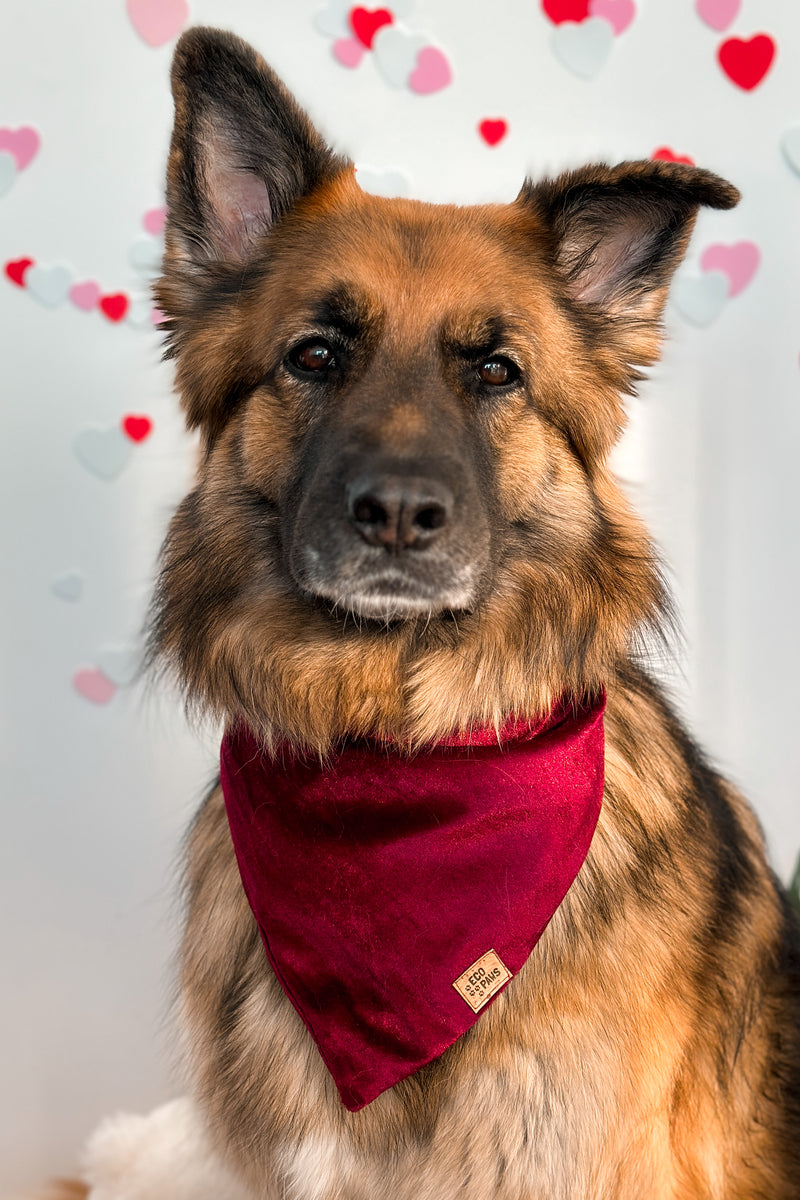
(98, 776)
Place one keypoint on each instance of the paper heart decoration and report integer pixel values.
(17, 269)
(49, 284)
(140, 314)
(618, 13)
(114, 306)
(746, 62)
(664, 154)
(431, 73)
(348, 51)
(700, 298)
(104, 450)
(157, 21)
(334, 21)
(366, 22)
(119, 663)
(8, 171)
(493, 130)
(559, 11)
(583, 48)
(22, 144)
(85, 295)
(93, 685)
(395, 50)
(790, 145)
(137, 428)
(68, 586)
(382, 181)
(718, 14)
(146, 254)
(154, 221)
(738, 263)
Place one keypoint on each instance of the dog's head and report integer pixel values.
(404, 520)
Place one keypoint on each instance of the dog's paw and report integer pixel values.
(165, 1155)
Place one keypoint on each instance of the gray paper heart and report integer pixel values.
(382, 181)
(700, 298)
(790, 145)
(140, 314)
(102, 449)
(49, 285)
(119, 662)
(145, 255)
(8, 171)
(332, 21)
(68, 585)
(396, 50)
(583, 47)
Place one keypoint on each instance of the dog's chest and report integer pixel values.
(530, 1129)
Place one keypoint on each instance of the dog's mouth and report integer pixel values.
(389, 594)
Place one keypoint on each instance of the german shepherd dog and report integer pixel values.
(405, 525)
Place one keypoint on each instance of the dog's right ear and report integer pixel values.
(242, 151)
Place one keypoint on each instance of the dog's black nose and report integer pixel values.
(399, 512)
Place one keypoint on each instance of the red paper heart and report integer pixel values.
(114, 306)
(747, 62)
(365, 23)
(493, 130)
(15, 270)
(664, 154)
(137, 428)
(565, 10)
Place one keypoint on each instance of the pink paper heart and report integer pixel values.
(22, 144)
(432, 72)
(738, 261)
(154, 220)
(85, 295)
(718, 14)
(157, 21)
(348, 51)
(618, 13)
(93, 685)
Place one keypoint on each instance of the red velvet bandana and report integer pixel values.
(396, 896)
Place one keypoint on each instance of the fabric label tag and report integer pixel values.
(482, 980)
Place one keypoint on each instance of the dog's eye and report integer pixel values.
(497, 372)
(313, 357)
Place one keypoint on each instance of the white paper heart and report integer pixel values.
(119, 662)
(140, 314)
(332, 20)
(396, 49)
(102, 449)
(700, 298)
(49, 285)
(382, 181)
(68, 585)
(145, 255)
(8, 171)
(790, 145)
(583, 47)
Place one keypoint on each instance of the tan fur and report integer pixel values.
(63, 1189)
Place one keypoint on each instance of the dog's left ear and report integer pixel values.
(618, 233)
